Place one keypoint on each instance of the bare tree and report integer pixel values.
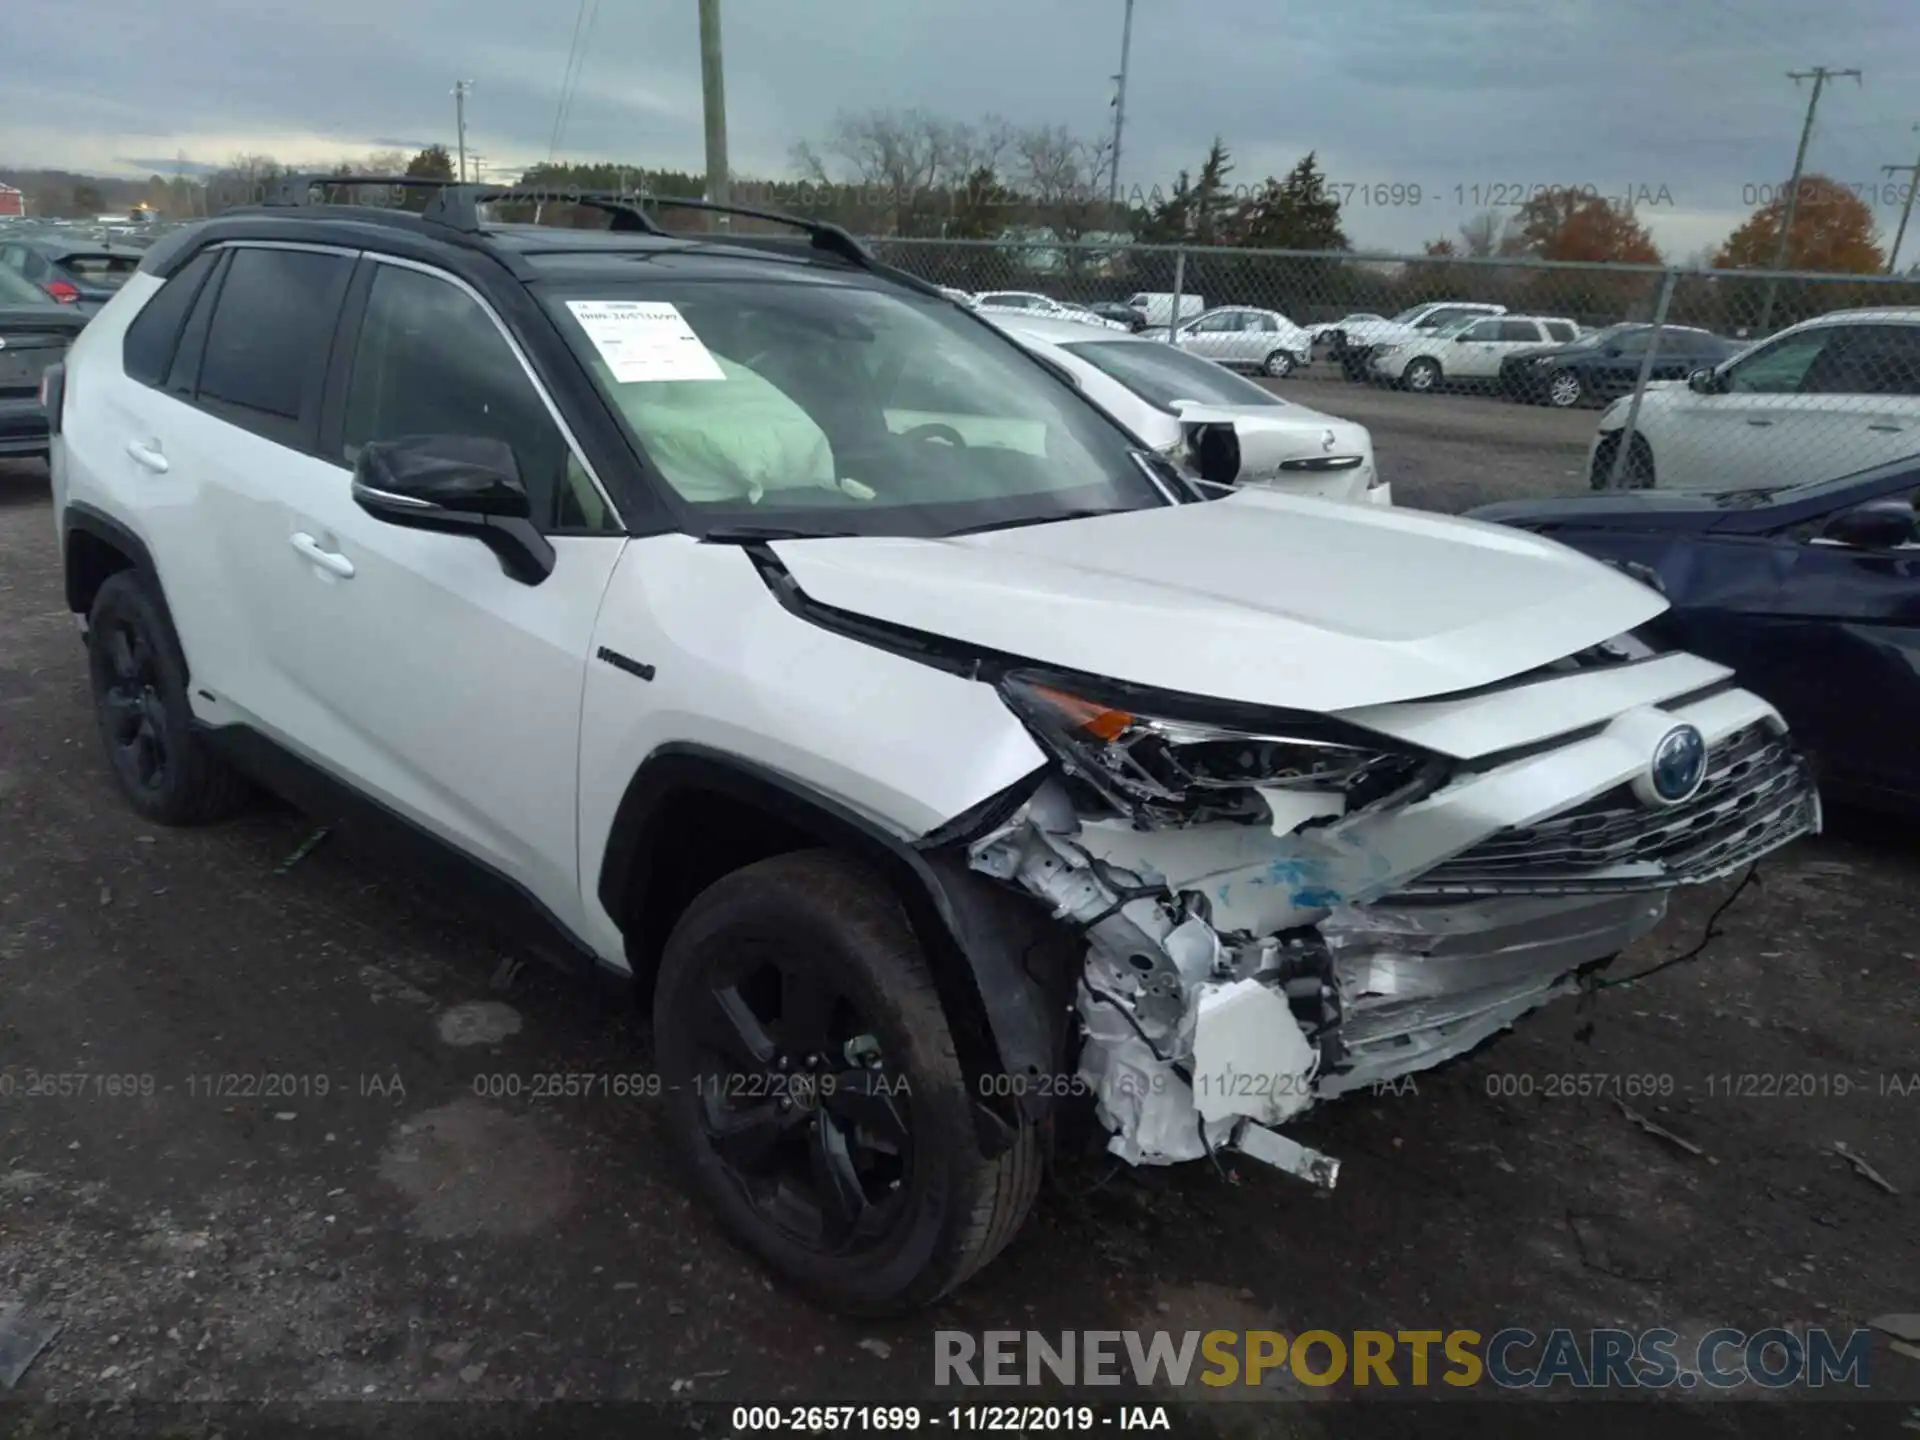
(1064, 178)
(905, 165)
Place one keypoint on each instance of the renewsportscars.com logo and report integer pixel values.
(1511, 1359)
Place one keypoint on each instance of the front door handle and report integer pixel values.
(1760, 422)
(1886, 429)
(152, 459)
(329, 560)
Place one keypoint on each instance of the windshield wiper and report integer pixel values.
(754, 534)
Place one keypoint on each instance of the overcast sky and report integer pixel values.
(1686, 98)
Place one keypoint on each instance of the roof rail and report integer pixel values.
(456, 204)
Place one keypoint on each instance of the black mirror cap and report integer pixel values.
(1703, 381)
(1214, 453)
(1877, 525)
(461, 474)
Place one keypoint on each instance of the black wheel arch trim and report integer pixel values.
(993, 953)
(78, 516)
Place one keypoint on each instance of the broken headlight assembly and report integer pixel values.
(1161, 768)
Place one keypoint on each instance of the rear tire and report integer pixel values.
(906, 1206)
(1278, 365)
(1422, 376)
(164, 768)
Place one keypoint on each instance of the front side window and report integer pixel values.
(836, 409)
(1162, 374)
(430, 361)
(267, 344)
(1781, 368)
(1472, 330)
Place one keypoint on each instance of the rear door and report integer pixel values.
(1480, 350)
(214, 445)
(427, 676)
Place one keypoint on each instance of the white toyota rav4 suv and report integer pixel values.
(929, 752)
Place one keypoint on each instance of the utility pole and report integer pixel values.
(1906, 209)
(713, 86)
(460, 89)
(1120, 107)
(1820, 74)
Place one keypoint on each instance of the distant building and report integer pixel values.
(12, 202)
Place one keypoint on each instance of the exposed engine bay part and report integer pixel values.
(1237, 972)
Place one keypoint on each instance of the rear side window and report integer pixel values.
(1560, 330)
(267, 346)
(147, 349)
(1518, 330)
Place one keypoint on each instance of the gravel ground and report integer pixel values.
(410, 1235)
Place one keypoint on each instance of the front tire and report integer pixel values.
(1278, 365)
(1564, 390)
(1636, 474)
(139, 675)
(1422, 376)
(815, 1090)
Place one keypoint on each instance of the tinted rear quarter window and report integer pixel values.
(147, 348)
(267, 346)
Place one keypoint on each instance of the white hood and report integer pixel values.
(1265, 598)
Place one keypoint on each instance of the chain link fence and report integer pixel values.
(1688, 379)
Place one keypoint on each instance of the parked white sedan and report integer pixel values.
(1822, 399)
(1030, 302)
(1167, 395)
(1243, 339)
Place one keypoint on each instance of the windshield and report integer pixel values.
(1407, 317)
(1456, 325)
(1608, 336)
(1161, 374)
(18, 290)
(836, 410)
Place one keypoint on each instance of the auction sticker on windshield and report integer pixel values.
(643, 340)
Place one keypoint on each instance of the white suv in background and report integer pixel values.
(1819, 400)
(1467, 350)
(925, 749)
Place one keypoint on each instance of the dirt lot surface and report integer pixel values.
(1452, 452)
(413, 1234)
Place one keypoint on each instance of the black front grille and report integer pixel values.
(1758, 795)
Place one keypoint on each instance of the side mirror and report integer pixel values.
(1703, 381)
(455, 485)
(1877, 525)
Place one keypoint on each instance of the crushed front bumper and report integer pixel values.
(1237, 975)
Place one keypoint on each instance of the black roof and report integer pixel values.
(451, 229)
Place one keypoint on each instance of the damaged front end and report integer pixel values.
(1281, 909)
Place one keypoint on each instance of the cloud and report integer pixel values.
(1455, 101)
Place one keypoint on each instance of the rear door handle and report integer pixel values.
(329, 560)
(152, 459)
(1760, 422)
(1887, 429)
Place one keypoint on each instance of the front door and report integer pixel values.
(443, 687)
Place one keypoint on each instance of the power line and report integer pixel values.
(583, 20)
(1820, 74)
(1906, 209)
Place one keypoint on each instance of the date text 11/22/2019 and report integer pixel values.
(893, 1419)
